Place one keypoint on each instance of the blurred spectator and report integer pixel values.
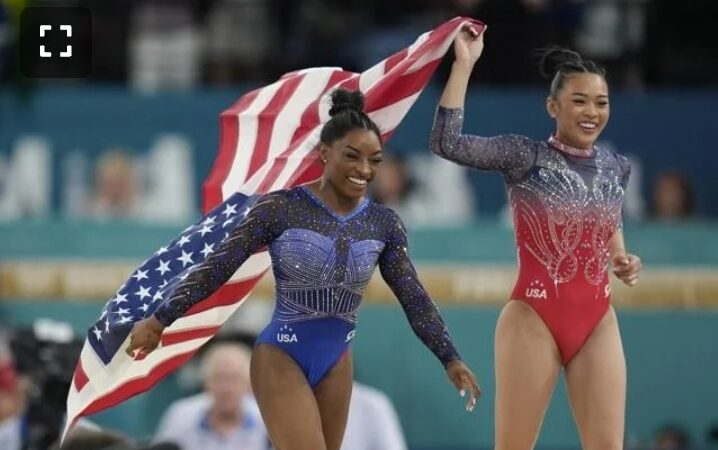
(424, 191)
(671, 437)
(165, 46)
(116, 186)
(373, 423)
(240, 35)
(225, 416)
(672, 197)
(91, 439)
(25, 179)
(393, 183)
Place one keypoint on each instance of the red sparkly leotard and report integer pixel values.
(566, 206)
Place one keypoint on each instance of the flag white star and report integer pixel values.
(183, 240)
(120, 298)
(207, 249)
(140, 275)
(229, 210)
(123, 311)
(208, 221)
(246, 211)
(164, 267)
(205, 229)
(143, 292)
(186, 258)
(145, 307)
(162, 249)
(107, 325)
(157, 296)
(164, 283)
(98, 333)
(124, 320)
(227, 222)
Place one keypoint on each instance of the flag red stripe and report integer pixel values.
(266, 121)
(393, 91)
(137, 385)
(228, 294)
(177, 337)
(79, 378)
(228, 139)
(395, 59)
(309, 120)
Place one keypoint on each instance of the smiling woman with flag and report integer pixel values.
(325, 239)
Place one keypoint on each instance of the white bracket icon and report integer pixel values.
(43, 53)
(68, 32)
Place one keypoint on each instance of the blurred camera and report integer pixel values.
(46, 356)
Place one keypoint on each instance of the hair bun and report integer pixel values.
(344, 100)
(554, 58)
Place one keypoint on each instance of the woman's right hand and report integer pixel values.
(145, 336)
(468, 44)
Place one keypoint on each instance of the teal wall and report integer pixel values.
(662, 128)
(672, 365)
(684, 244)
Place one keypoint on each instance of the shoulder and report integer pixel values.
(386, 215)
(621, 160)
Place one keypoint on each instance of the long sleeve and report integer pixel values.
(423, 314)
(260, 226)
(511, 154)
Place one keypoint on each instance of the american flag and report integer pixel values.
(267, 142)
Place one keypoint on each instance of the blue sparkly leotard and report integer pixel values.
(322, 262)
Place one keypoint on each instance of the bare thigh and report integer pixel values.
(286, 401)
(596, 383)
(527, 368)
(333, 395)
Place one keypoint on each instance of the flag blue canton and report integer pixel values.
(144, 291)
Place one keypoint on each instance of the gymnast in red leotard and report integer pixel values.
(566, 196)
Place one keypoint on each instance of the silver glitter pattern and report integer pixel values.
(566, 208)
(322, 263)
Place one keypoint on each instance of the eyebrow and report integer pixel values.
(581, 94)
(359, 151)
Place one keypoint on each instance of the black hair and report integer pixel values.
(347, 114)
(556, 63)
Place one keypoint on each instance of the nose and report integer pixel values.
(364, 168)
(591, 110)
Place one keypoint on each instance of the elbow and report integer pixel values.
(440, 147)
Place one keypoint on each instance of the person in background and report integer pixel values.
(672, 197)
(373, 423)
(225, 416)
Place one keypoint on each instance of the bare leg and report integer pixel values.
(333, 395)
(527, 368)
(596, 383)
(287, 403)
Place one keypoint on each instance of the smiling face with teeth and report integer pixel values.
(350, 163)
(581, 109)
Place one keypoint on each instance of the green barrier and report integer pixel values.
(693, 244)
(672, 365)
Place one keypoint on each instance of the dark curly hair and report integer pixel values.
(556, 63)
(347, 114)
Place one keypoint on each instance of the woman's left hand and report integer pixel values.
(465, 381)
(626, 267)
